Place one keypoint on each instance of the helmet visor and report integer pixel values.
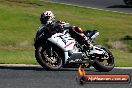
(44, 20)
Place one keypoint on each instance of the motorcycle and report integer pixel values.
(60, 50)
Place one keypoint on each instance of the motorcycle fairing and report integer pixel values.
(66, 43)
(99, 51)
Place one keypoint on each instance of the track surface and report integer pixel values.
(114, 5)
(36, 77)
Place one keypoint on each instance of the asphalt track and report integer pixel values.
(37, 77)
(113, 5)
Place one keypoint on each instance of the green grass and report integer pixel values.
(19, 20)
(122, 59)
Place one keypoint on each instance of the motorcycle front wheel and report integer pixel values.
(102, 64)
(48, 59)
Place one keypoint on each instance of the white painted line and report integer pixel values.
(19, 65)
(87, 7)
(123, 67)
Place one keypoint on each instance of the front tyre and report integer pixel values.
(48, 59)
(102, 64)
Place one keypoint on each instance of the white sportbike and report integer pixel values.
(62, 50)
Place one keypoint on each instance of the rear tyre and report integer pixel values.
(48, 60)
(104, 65)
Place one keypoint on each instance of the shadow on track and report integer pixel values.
(118, 6)
(22, 68)
(37, 68)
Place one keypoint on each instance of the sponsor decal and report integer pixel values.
(101, 78)
(68, 44)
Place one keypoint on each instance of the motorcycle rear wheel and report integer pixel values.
(99, 62)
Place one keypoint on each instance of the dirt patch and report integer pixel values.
(22, 44)
(118, 45)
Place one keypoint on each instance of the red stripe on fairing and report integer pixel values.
(68, 44)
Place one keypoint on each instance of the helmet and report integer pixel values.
(47, 17)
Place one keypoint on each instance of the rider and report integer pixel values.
(48, 22)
